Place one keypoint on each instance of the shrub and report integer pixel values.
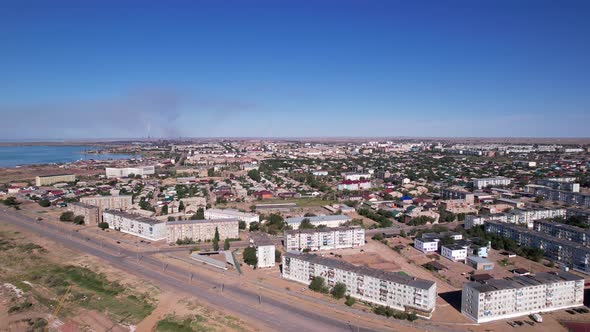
(44, 203)
(339, 290)
(67, 216)
(79, 220)
(318, 285)
(350, 301)
(103, 225)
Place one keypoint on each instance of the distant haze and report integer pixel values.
(104, 69)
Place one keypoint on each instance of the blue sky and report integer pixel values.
(103, 69)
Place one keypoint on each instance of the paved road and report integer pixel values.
(272, 313)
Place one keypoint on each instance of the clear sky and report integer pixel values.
(103, 69)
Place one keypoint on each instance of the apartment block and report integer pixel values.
(458, 193)
(143, 227)
(567, 197)
(392, 289)
(104, 203)
(112, 172)
(265, 249)
(481, 183)
(232, 214)
(516, 216)
(565, 184)
(90, 212)
(324, 238)
(563, 231)
(496, 299)
(201, 230)
(328, 221)
(568, 253)
(46, 180)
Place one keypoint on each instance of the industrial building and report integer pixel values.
(143, 227)
(201, 230)
(568, 253)
(324, 238)
(46, 180)
(89, 212)
(496, 299)
(393, 289)
(112, 172)
(232, 214)
(265, 249)
(328, 221)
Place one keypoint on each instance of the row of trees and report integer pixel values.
(69, 216)
(381, 216)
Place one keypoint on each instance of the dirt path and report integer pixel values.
(166, 305)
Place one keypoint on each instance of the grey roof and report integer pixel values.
(135, 217)
(260, 239)
(478, 259)
(321, 230)
(396, 277)
(542, 278)
(298, 220)
(202, 221)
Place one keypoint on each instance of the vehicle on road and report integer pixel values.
(537, 318)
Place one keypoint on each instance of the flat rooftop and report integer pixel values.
(135, 217)
(542, 278)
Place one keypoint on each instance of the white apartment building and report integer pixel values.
(481, 183)
(265, 250)
(112, 172)
(392, 289)
(454, 252)
(521, 295)
(143, 227)
(328, 221)
(356, 176)
(201, 230)
(426, 245)
(46, 180)
(103, 203)
(324, 238)
(232, 214)
(516, 216)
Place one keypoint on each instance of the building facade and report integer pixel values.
(568, 197)
(112, 172)
(265, 249)
(201, 230)
(104, 203)
(565, 184)
(89, 212)
(481, 183)
(146, 228)
(392, 289)
(516, 216)
(521, 295)
(324, 238)
(248, 218)
(563, 231)
(47, 180)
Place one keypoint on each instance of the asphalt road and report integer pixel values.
(272, 313)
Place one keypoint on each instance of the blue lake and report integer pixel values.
(11, 156)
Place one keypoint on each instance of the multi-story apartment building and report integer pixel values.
(201, 230)
(521, 295)
(392, 289)
(89, 212)
(46, 180)
(458, 193)
(232, 214)
(354, 185)
(352, 176)
(568, 253)
(324, 238)
(565, 184)
(112, 172)
(143, 227)
(481, 183)
(516, 216)
(265, 249)
(568, 197)
(328, 221)
(104, 203)
(563, 231)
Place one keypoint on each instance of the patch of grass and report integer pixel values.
(170, 324)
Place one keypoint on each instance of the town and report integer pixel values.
(361, 234)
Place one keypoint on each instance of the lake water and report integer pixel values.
(11, 156)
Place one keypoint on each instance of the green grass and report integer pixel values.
(169, 324)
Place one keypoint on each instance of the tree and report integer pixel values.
(378, 237)
(402, 233)
(181, 206)
(350, 301)
(306, 224)
(254, 174)
(200, 215)
(339, 290)
(242, 224)
(252, 208)
(67, 216)
(318, 285)
(216, 240)
(79, 220)
(249, 256)
(254, 226)
(277, 256)
(171, 218)
(103, 225)
(164, 210)
(44, 203)
(226, 244)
